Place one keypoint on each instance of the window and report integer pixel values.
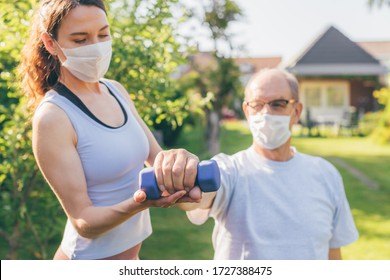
(313, 96)
(324, 101)
(335, 96)
(325, 94)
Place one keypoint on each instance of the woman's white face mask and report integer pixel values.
(270, 131)
(88, 63)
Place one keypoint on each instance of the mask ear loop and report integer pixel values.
(58, 45)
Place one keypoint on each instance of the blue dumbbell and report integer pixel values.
(208, 179)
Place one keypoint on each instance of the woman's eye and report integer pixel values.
(80, 41)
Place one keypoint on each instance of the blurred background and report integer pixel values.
(185, 65)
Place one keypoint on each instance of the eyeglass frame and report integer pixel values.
(288, 101)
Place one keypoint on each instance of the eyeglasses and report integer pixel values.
(276, 106)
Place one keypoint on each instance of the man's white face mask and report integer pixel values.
(88, 63)
(270, 131)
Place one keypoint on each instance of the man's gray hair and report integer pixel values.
(290, 78)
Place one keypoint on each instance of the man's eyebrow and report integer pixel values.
(86, 33)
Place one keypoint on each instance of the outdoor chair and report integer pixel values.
(349, 124)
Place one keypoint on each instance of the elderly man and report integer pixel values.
(275, 202)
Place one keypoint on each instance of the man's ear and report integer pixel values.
(245, 109)
(49, 43)
(298, 111)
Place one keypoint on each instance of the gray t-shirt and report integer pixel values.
(111, 159)
(266, 209)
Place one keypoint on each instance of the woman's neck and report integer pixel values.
(77, 86)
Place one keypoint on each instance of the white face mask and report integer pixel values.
(270, 131)
(88, 63)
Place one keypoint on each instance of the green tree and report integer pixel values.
(146, 54)
(219, 79)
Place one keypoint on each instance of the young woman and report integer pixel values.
(88, 138)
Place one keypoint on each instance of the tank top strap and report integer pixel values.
(114, 90)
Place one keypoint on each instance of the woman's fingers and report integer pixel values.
(139, 196)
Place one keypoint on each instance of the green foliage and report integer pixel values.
(227, 83)
(30, 214)
(14, 22)
(220, 78)
(218, 16)
(381, 133)
(383, 96)
(146, 54)
(369, 122)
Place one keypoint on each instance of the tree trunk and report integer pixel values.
(212, 133)
(13, 243)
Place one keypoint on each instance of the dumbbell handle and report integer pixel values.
(208, 178)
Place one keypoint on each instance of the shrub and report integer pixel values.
(381, 133)
(30, 214)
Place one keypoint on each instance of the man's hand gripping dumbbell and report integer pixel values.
(207, 179)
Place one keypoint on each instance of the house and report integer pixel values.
(336, 74)
(381, 51)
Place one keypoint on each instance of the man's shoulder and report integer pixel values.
(231, 163)
(318, 162)
(222, 157)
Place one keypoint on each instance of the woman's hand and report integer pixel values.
(168, 200)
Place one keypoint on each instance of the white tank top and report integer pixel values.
(112, 159)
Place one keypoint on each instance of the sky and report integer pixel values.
(286, 27)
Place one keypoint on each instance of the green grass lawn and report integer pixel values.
(174, 237)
